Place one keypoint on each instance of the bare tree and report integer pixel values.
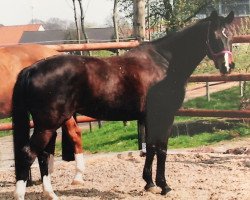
(115, 21)
(139, 19)
(76, 23)
(83, 22)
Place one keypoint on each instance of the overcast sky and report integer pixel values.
(17, 12)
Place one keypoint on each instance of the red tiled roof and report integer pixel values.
(10, 35)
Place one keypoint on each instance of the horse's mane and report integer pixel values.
(174, 35)
(170, 37)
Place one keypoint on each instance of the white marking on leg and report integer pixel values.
(80, 166)
(47, 188)
(226, 57)
(51, 164)
(144, 147)
(20, 190)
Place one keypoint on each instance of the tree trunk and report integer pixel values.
(115, 23)
(83, 27)
(77, 28)
(139, 19)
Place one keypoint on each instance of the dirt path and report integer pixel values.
(190, 173)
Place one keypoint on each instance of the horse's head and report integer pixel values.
(219, 42)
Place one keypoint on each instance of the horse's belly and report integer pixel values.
(112, 113)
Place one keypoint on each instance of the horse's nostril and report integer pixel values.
(223, 70)
(232, 65)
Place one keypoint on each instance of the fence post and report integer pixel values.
(207, 91)
(99, 124)
(90, 127)
(241, 83)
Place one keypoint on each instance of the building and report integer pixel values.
(11, 35)
(35, 33)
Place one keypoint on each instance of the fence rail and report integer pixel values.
(213, 78)
(181, 112)
(119, 45)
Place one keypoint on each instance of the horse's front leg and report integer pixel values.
(74, 133)
(161, 153)
(147, 170)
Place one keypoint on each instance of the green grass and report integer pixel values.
(223, 100)
(114, 137)
(203, 139)
(5, 133)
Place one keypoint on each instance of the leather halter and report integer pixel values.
(213, 54)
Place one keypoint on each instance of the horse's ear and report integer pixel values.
(229, 18)
(213, 15)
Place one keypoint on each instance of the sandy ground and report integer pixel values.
(191, 173)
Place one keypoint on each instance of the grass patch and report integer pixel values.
(203, 139)
(223, 100)
(5, 133)
(114, 137)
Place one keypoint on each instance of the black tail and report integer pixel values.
(20, 119)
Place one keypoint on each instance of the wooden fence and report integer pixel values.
(119, 45)
(181, 112)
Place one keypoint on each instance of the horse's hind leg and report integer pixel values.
(46, 158)
(43, 143)
(74, 134)
(38, 142)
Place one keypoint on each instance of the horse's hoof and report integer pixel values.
(29, 183)
(165, 190)
(50, 195)
(77, 182)
(151, 188)
(143, 153)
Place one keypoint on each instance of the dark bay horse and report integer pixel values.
(146, 84)
(14, 58)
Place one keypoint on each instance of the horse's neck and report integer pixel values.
(184, 51)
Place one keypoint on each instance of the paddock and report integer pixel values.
(192, 173)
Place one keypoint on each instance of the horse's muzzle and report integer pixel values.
(225, 69)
